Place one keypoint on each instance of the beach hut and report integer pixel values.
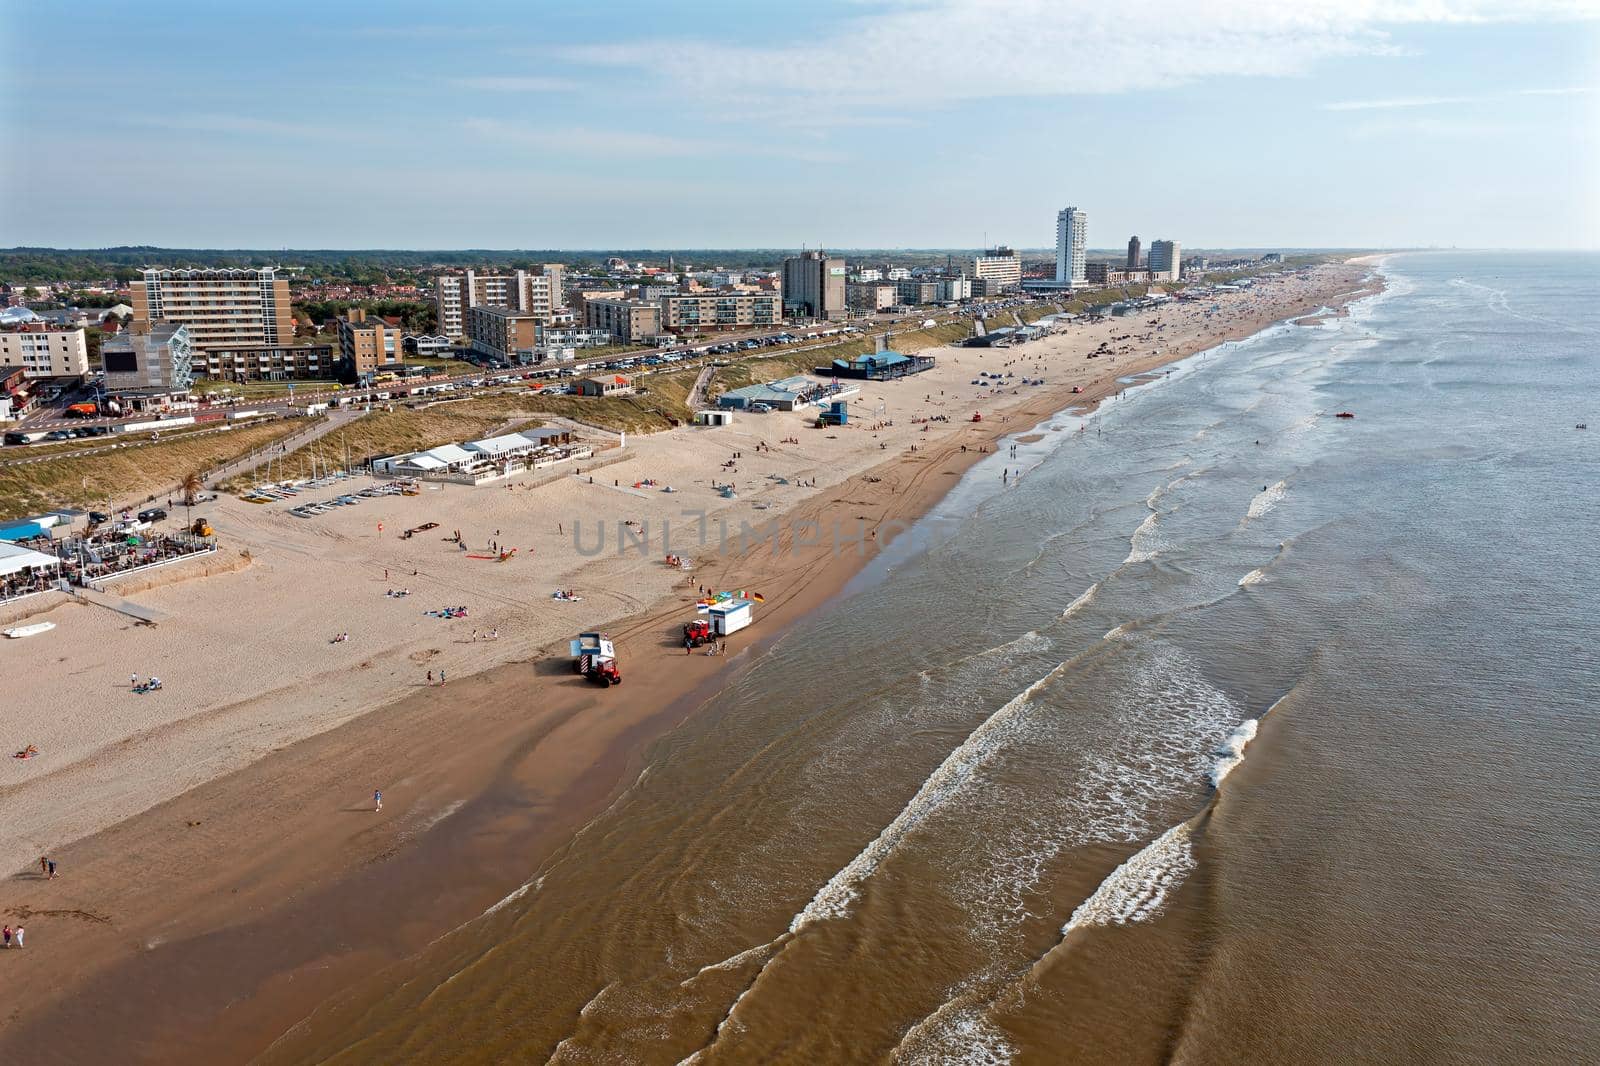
(730, 616)
(713, 418)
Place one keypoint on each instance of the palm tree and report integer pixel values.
(192, 484)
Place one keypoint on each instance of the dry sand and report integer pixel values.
(250, 671)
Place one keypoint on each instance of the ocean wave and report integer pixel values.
(833, 899)
(959, 1033)
(1082, 601)
(1266, 500)
(1144, 545)
(1254, 577)
(1137, 889)
(1230, 753)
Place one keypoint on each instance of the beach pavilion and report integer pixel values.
(24, 571)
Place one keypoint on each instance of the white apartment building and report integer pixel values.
(454, 294)
(52, 353)
(1071, 237)
(1165, 257)
(222, 308)
(866, 275)
(1000, 268)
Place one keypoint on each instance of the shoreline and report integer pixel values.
(177, 956)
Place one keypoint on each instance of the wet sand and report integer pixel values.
(203, 928)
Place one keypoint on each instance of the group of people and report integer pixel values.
(151, 684)
(398, 592)
(340, 638)
(10, 936)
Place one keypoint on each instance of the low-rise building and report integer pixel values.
(295, 362)
(504, 333)
(953, 289)
(432, 345)
(870, 296)
(45, 353)
(917, 291)
(160, 359)
(616, 385)
(719, 310)
(367, 343)
(628, 321)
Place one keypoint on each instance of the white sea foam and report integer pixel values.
(1266, 500)
(1137, 889)
(1253, 577)
(1143, 545)
(1083, 599)
(834, 898)
(959, 1033)
(514, 895)
(1230, 752)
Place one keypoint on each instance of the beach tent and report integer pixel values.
(13, 558)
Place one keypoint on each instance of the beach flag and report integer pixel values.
(758, 597)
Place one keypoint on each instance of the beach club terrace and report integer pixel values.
(25, 572)
(786, 394)
(879, 366)
(486, 460)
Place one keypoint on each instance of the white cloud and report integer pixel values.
(1405, 102)
(244, 125)
(579, 143)
(515, 83)
(1568, 90)
(897, 52)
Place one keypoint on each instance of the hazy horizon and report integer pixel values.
(893, 124)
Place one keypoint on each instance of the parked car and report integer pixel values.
(59, 434)
(97, 518)
(152, 514)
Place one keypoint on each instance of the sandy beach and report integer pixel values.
(222, 869)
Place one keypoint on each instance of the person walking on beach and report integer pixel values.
(44, 866)
(51, 876)
(6, 936)
(441, 677)
(430, 677)
(377, 799)
(17, 934)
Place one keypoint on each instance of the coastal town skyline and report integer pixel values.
(519, 129)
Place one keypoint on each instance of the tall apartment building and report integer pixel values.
(504, 333)
(222, 308)
(454, 294)
(813, 285)
(158, 359)
(954, 288)
(1133, 253)
(628, 321)
(1000, 268)
(45, 353)
(1164, 260)
(367, 343)
(719, 309)
(1071, 235)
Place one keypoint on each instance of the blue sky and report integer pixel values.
(854, 123)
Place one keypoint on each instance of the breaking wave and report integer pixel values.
(1230, 753)
(1137, 889)
(1082, 601)
(834, 898)
(1266, 500)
